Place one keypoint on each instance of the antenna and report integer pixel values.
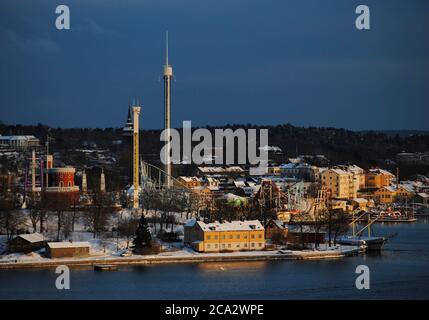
(166, 48)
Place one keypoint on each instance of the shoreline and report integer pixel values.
(197, 258)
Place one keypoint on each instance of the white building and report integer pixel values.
(19, 142)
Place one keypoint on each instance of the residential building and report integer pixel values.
(26, 243)
(188, 182)
(378, 178)
(394, 193)
(339, 183)
(19, 142)
(224, 236)
(300, 170)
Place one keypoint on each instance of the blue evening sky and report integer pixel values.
(236, 61)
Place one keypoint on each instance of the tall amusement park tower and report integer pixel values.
(136, 157)
(167, 75)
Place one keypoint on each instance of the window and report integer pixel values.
(215, 246)
(215, 237)
(260, 236)
(223, 237)
(229, 245)
(61, 184)
(253, 244)
(252, 236)
(208, 237)
(208, 246)
(238, 246)
(230, 236)
(237, 236)
(223, 245)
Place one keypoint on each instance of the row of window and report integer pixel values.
(215, 237)
(62, 184)
(234, 246)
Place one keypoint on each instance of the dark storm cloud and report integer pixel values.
(242, 61)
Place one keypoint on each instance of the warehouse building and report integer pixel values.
(68, 249)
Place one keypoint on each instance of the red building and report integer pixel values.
(59, 183)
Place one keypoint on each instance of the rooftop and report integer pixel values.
(58, 245)
(248, 225)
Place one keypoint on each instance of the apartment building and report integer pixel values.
(390, 194)
(339, 183)
(378, 178)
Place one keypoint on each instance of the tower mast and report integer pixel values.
(136, 112)
(167, 75)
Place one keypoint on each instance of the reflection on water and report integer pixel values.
(399, 272)
(244, 266)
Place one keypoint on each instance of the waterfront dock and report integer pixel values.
(185, 257)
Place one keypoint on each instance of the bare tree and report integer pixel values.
(97, 213)
(127, 228)
(59, 203)
(11, 218)
(300, 219)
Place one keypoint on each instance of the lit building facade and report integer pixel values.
(225, 236)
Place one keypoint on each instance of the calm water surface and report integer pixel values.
(401, 271)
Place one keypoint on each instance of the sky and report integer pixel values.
(263, 62)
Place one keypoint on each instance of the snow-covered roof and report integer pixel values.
(354, 169)
(423, 195)
(360, 200)
(381, 171)
(247, 225)
(220, 169)
(288, 165)
(239, 184)
(17, 137)
(58, 245)
(190, 223)
(33, 237)
(280, 224)
(405, 187)
(190, 179)
(339, 171)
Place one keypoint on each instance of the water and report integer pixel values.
(401, 271)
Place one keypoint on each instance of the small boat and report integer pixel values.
(105, 267)
(371, 243)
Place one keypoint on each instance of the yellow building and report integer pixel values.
(358, 176)
(224, 236)
(378, 178)
(393, 193)
(275, 171)
(339, 183)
